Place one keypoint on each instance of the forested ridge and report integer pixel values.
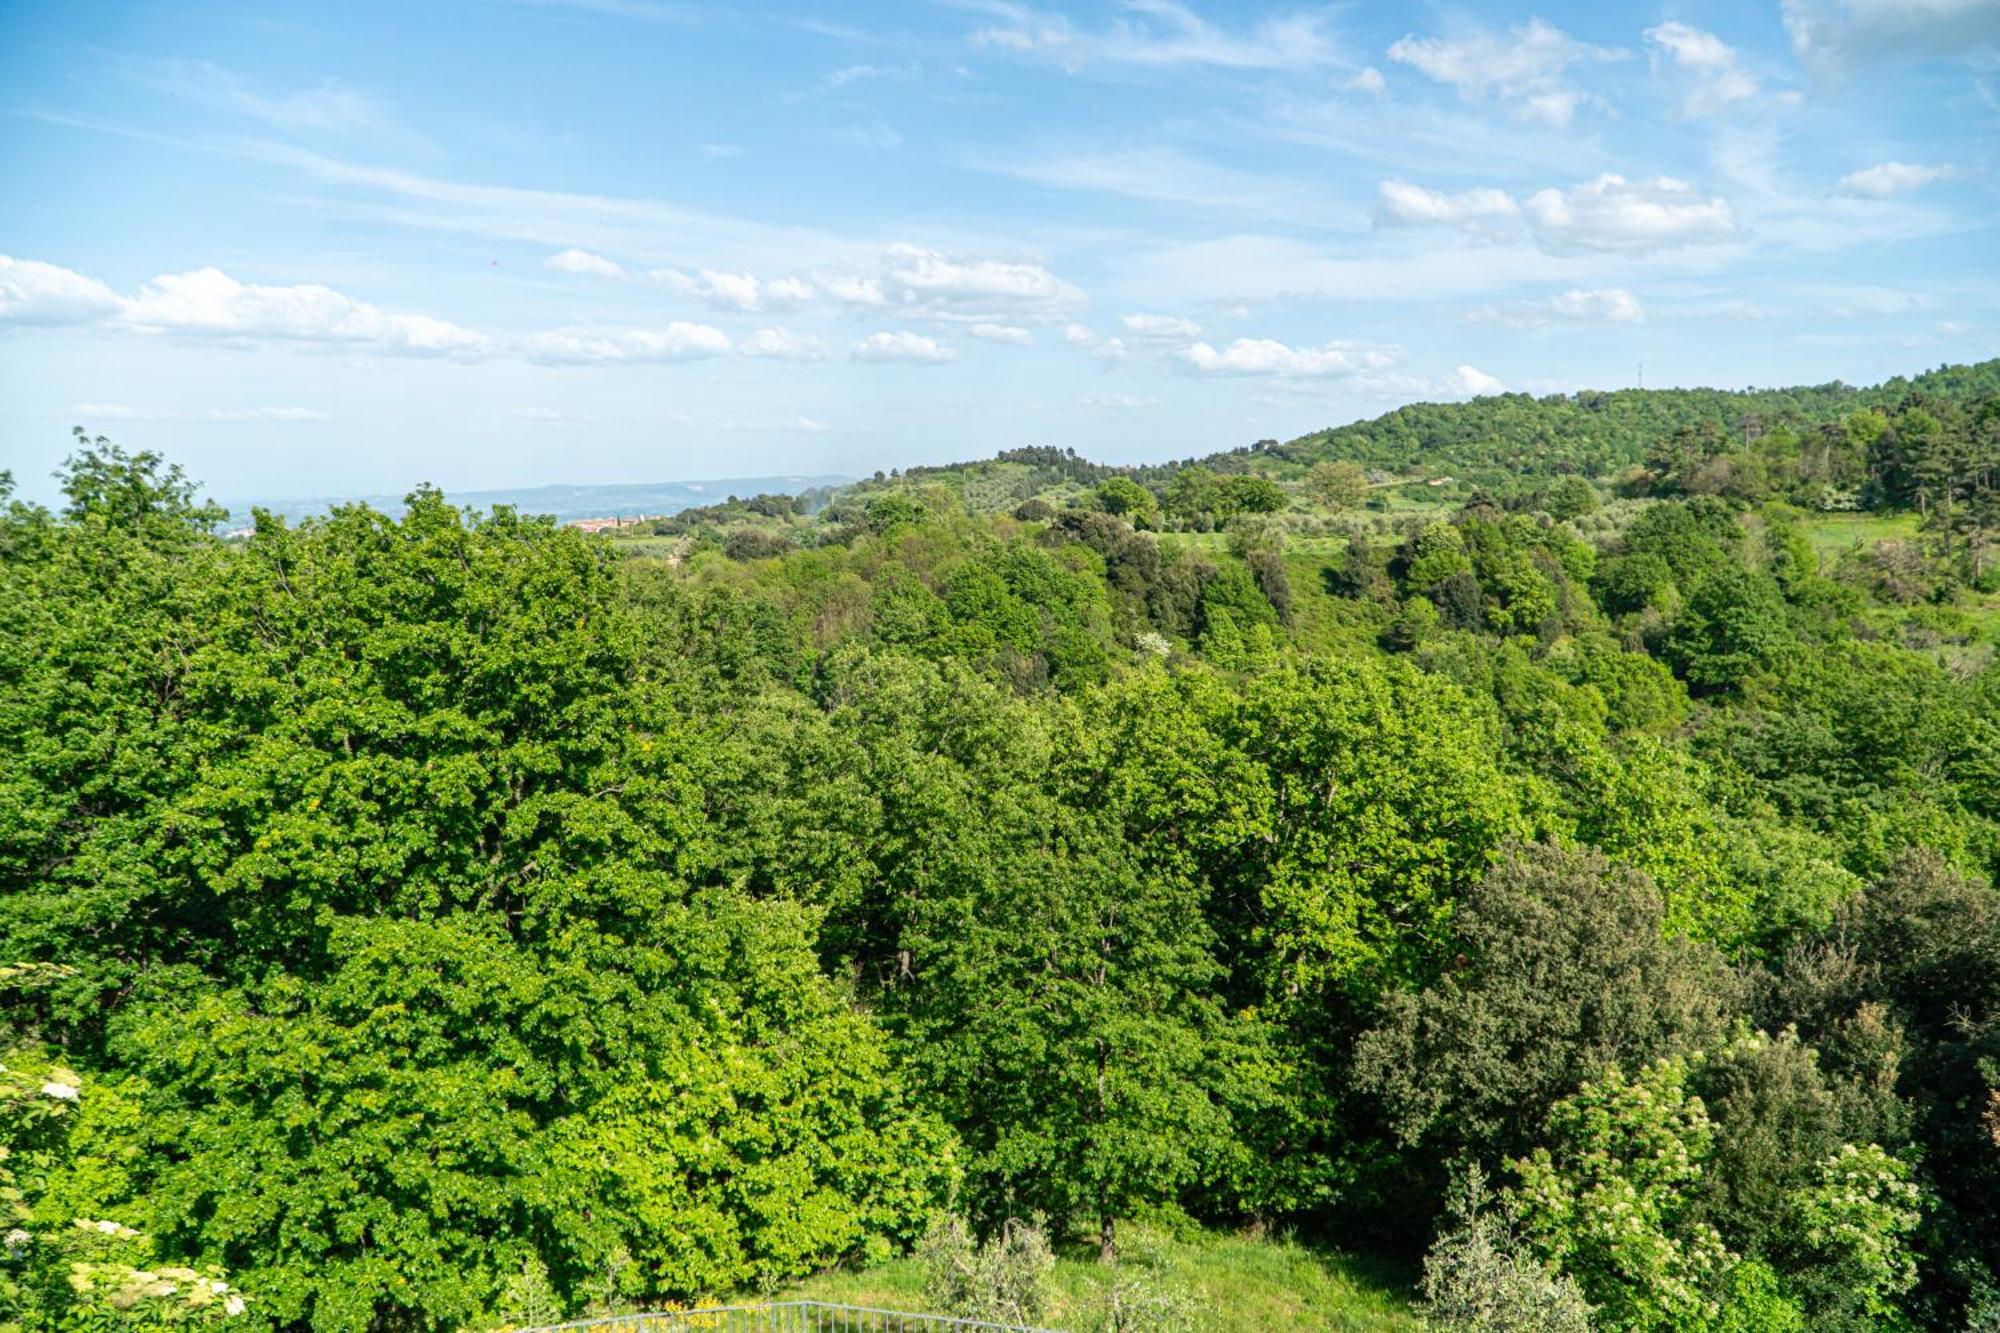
(1575, 877)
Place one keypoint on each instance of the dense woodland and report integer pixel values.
(1575, 876)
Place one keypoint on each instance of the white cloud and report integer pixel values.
(744, 292)
(721, 150)
(1264, 356)
(1716, 78)
(1525, 67)
(811, 425)
(1469, 382)
(782, 345)
(1596, 305)
(678, 341)
(1613, 213)
(1836, 37)
(912, 275)
(1118, 400)
(583, 261)
(1111, 351)
(1369, 81)
(272, 416)
(209, 301)
(853, 289)
(237, 416)
(1159, 326)
(902, 346)
(1079, 335)
(847, 75)
(1401, 204)
(329, 107)
(1887, 178)
(32, 292)
(1003, 333)
(1613, 305)
(1157, 33)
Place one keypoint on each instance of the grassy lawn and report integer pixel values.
(1835, 534)
(1242, 1283)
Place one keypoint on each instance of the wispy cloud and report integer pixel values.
(1710, 69)
(1890, 178)
(1155, 33)
(1526, 68)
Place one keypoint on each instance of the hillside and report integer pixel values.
(1504, 443)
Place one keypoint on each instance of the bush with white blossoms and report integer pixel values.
(1858, 1215)
(95, 1273)
(1613, 1202)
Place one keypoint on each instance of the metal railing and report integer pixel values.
(784, 1317)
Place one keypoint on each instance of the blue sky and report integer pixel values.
(344, 248)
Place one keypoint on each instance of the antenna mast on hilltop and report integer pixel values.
(1642, 374)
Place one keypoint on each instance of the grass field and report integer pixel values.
(1833, 535)
(1242, 1284)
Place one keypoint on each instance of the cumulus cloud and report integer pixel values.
(744, 292)
(1612, 213)
(32, 292)
(1003, 333)
(1835, 37)
(1401, 204)
(1888, 178)
(208, 301)
(1596, 305)
(914, 276)
(902, 346)
(678, 341)
(1159, 326)
(1469, 382)
(1157, 33)
(1079, 335)
(1716, 78)
(1525, 67)
(783, 345)
(921, 283)
(583, 261)
(1265, 356)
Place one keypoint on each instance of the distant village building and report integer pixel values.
(612, 524)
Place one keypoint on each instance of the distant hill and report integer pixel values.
(1513, 436)
(1503, 441)
(567, 502)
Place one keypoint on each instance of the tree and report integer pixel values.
(1571, 497)
(1562, 968)
(1127, 499)
(1731, 627)
(1337, 484)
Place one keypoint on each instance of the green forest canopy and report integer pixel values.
(458, 920)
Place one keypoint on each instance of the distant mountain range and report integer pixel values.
(565, 502)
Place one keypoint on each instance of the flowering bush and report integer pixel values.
(94, 1273)
(1857, 1217)
(1614, 1203)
